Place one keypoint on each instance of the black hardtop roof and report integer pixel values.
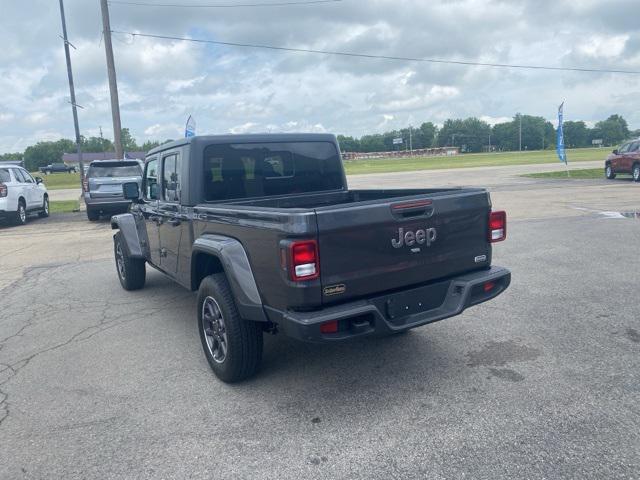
(246, 138)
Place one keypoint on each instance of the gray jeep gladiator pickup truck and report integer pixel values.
(264, 228)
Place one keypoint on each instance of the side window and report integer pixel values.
(171, 178)
(624, 148)
(27, 178)
(17, 174)
(635, 146)
(150, 188)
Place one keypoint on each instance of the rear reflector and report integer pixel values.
(489, 286)
(305, 264)
(329, 327)
(497, 226)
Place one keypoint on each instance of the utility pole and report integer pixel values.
(520, 134)
(411, 139)
(113, 84)
(72, 93)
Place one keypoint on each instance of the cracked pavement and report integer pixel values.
(543, 382)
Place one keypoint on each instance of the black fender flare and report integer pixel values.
(235, 263)
(135, 238)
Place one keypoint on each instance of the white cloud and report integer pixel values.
(230, 89)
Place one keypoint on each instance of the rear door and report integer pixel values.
(23, 188)
(34, 192)
(632, 156)
(384, 245)
(170, 225)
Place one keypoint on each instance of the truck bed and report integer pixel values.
(361, 237)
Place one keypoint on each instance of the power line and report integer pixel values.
(232, 5)
(381, 57)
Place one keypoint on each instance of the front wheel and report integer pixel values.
(131, 271)
(608, 172)
(232, 345)
(44, 213)
(636, 172)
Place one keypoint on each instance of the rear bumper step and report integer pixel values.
(395, 312)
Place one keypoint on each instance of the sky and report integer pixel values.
(239, 90)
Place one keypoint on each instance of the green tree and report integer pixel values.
(128, 142)
(471, 134)
(44, 153)
(576, 134)
(425, 136)
(97, 144)
(349, 144)
(612, 131)
(372, 143)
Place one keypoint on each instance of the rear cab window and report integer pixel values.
(114, 170)
(251, 170)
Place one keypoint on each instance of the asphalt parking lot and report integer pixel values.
(542, 382)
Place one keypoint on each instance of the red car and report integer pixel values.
(625, 159)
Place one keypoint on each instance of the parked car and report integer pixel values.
(21, 194)
(102, 186)
(58, 168)
(266, 230)
(624, 159)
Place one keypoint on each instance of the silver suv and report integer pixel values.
(103, 186)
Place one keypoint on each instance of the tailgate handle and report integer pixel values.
(413, 209)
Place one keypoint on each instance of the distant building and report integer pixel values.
(87, 157)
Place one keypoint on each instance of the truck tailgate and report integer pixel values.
(384, 245)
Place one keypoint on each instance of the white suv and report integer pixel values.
(21, 194)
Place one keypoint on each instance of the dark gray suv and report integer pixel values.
(103, 186)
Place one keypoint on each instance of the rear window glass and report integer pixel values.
(110, 170)
(4, 175)
(269, 169)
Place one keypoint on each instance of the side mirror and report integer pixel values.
(615, 152)
(39, 180)
(131, 191)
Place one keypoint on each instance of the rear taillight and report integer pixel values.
(3, 190)
(304, 262)
(497, 226)
(85, 185)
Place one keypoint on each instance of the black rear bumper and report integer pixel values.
(398, 311)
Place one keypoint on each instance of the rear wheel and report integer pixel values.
(44, 213)
(20, 217)
(131, 271)
(635, 172)
(608, 172)
(232, 345)
(92, 215)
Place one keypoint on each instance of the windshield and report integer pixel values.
(102, 171)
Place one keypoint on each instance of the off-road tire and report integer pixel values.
(44, 213)
(243, 352)
(131, 272)
(20, 217)
(608, 172)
